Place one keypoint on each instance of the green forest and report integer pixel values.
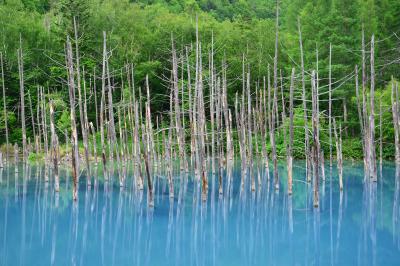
(139, 35)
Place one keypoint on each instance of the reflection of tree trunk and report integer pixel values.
(396, 210)
(340, 215)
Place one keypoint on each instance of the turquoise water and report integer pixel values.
(109, 226)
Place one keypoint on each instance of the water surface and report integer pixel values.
(113, 226)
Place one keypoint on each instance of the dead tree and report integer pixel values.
(275, 101)
(306, 139)
(38, 108)
(146, 158)
(380, 137)
(4, 104)
(33, 121)
(366, 133)
(54, 148)
(339, 154)
(330, 106)
(74, 135)
(264, 124)
(249, 134)
(94, 142)
(372, 153)
(16, 155)
(22, 98)
(291, 133)
(113, 144)
(178, 122)
(212, 104)
(224, 101)
(360, 113)
(316, 145)
(44, 123)
(102, 107)
(396, 125)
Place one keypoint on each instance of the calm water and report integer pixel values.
(109, 226)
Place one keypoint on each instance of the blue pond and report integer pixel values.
(110, 226)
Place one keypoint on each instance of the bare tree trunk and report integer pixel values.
(122, 149)
(249, 134)
(291, 134)
(54, 147)
(380, 137)
(212, 105)
(264, 123)
(85, 129)
(44, 124)
(224, 100)
(95, 99)
(274, 156)
(81, 111)
(102, 107)
(66, 143)
(306, 140)
(365, 111)
(33, 120)
(338, 155)
(373, 174)
(316, 146)
(360, 114)
(74, 135)
(330, 106)
(140, 180)
(94, 143)
(345, 116)
(146, 159)
(22, 98)
(4, 105)
(38, 108)
(16, 151)
(395, 114)
(179, 129)
(169, 163)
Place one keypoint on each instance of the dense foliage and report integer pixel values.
(140, 32)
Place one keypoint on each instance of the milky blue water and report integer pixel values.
(110, 226)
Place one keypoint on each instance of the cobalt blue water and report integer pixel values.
(110, 226)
